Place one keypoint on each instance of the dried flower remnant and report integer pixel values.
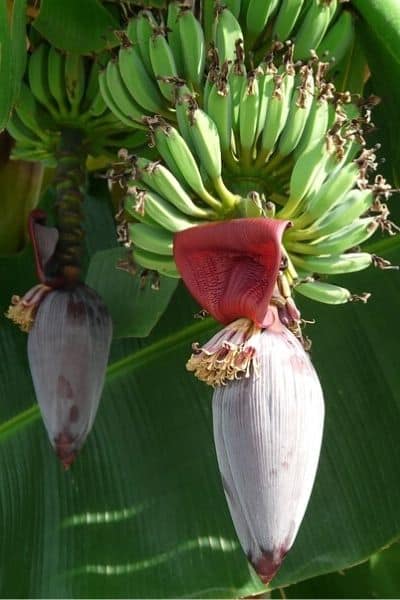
(268, 407)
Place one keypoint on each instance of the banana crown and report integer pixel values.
(62, 92)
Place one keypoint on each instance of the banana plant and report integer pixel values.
(218, 187)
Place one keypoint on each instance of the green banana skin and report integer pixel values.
(120, 94)
(333, 265)
(151, 239)
(163, 63)
(348, 237)
(156, 262)
(313, 28)
(286, 20)
(332, 191)
(162, 181)
(338, 39)
(227, 32)
(326, 293)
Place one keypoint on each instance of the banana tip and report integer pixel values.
(65, 449)
(267, 565)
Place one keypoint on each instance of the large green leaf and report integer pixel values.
(135, 305)
(12, 55)
(76, 26)
(142, 514)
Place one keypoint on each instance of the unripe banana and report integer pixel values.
(38, 78)
(162, 212)
(163, 63)
(258, 14)
(219, 107)
(333, 265)
(308, 172)
(156, 262)
(56, 79)
(317, 125)
(248, 117)
(338, 39)
(236, 80)
(138, 82)
(121, 96)
(353, 205)
(75, 81)
(265, 89)
(110, 102)
(93, 102)
(162, 181)
(344, 239)
(193, 48)
(227, 32)
(324, 292)
(205, 138)
(151, 239)
(313, 27)
(299, 112)
(286, 19)
(331, 192)
(139, 31)
(186, 164)
(32, 118)
(174, 38)
(277, 113)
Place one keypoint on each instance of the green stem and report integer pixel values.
(229, 200)
(69, 186)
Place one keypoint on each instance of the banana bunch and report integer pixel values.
(275, 141)
(156, 58)
(320, 26)
(62, 92)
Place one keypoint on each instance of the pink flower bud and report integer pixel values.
(68, 348)
(268, 430)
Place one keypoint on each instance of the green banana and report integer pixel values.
(219, 107)
(333, 265)
(138, 82)
(299, 111)
(265, 88)
(347, 237)
(31, 115)
(193, 48)
(236, 79)
(56, 80)
(121, 96)
(166, 215)
(308, 173)
(75, 81)
(139, 31)
(354, 204)
(162, 181)
(277, 113)
(286, 19)
(313, 27)
(163, 63)
(93, 102)
(227, 32)
(258, 14)
(174, 38)
(204, 134)
(331, 192)
(324, 292)
(165, 265)
(338, 40)
(248, 117)
(38, 79)
(187, 165)
(321, 113)
(151, 239)
(23, 134)
(111, 103)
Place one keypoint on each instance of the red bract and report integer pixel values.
(231, 268)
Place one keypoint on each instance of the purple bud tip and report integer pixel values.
(268, 564)
(65, 449)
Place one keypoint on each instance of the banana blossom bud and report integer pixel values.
(268, 407)
(70, 332)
